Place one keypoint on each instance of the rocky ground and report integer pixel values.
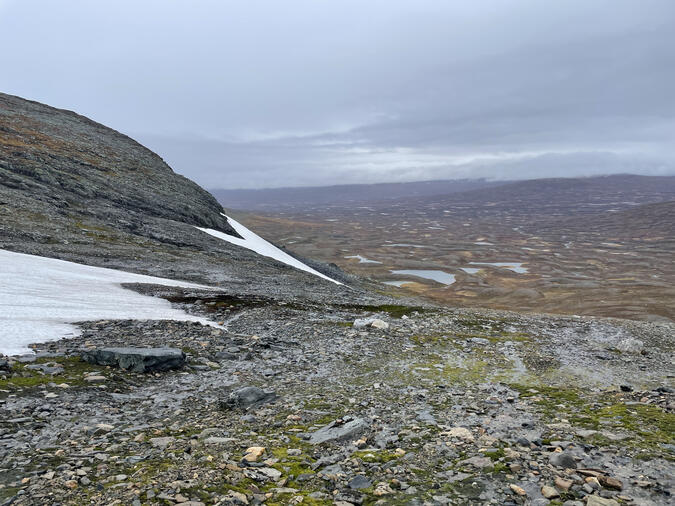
(425, 406)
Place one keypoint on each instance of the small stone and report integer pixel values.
(270, 472)
(293, 452)
(596, 500)
(460, 433)
(518, 490)
(94, 378)
(71, 484)
(361, 443)
(85, 481)
(382, 489)
(161, 442)
(564, 460)
(593, 482)
(253, 453)
(609, 482)
(379, 324)
(549, 492)
(563, 484)
(104, 427)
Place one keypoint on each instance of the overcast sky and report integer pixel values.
(253, 93)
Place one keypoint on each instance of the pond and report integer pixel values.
(439, 276)
(512, 266)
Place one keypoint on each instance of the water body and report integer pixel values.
(364, 260)
(439, 276)
(470, 270)
(397, 283)
(512, 266)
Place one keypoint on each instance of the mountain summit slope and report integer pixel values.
(77, 166)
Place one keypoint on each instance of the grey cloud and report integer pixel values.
(265, 93)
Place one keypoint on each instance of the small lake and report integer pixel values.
(364, 260)
(439, 276)
(470, 270)
(397, 283)
(512, 266)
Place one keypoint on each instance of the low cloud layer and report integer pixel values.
(263, 93)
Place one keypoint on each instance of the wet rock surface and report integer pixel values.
(443, 407)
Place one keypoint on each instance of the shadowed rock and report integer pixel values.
(137, 359)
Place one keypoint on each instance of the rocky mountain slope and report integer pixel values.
(301, 391)
(76, 190)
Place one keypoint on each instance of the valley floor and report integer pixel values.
(442, 407)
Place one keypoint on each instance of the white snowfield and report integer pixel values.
(256, 243)
(41, 297)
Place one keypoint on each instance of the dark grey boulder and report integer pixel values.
(247, 397)
(137, 359)
(339, 430)
(4, 365)
(359, 481)
(564, 460)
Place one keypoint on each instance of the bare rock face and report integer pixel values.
(137, 359)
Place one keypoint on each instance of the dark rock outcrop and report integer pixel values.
(137, 359)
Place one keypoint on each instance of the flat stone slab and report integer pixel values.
(339, 430)
(136, 359)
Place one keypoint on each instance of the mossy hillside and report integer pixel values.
(648, 426)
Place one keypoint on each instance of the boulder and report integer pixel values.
(247, 397)
(136, 359)
(339, 430)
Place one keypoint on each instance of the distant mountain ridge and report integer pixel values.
(528, 192)
(278, 198)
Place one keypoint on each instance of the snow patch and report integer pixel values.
(256, 243)
(41, 297)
